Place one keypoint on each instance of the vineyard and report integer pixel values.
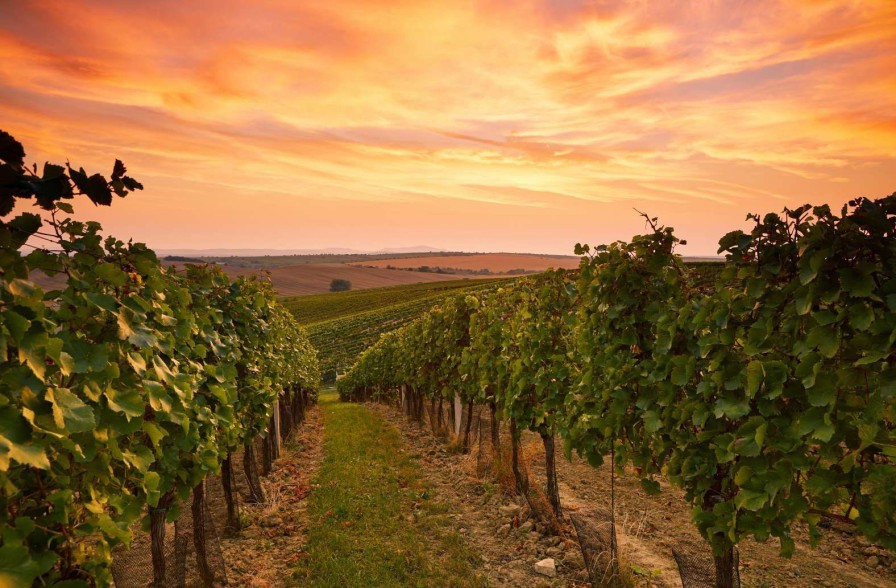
(137, 401)
(765, 393)
(342, 325)
(316, 308)
(124, 390)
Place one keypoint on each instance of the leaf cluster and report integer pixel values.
(766, 394)
(122, 389)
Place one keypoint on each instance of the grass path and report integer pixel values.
(373, 519)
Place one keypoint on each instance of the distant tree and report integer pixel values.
(181, 258)
(340, 285)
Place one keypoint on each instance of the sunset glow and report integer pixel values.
(481, 126)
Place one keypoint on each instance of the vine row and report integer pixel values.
(124, 389)
(768, 393)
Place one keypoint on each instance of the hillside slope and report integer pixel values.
(342, 325)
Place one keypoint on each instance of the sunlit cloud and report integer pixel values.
(489, 125)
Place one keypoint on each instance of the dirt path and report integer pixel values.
(495, 526)
(374, 519)
(274, 535)
(429, 517)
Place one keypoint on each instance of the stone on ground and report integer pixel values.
(546, 567)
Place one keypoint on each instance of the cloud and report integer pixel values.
(551, 110)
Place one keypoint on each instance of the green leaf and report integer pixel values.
(138, 364)
(32, 352)
(761, 430)
(111, 273)
(22, 227)
(16, 324)
(731, 408)
(16, 442)
(788, 546)
(154, 432)
(650, 486)
(94, 187)
(860, 316)
(888, 383)
(826, 338)
(127, 402)
(16, 566)
(808, 369)
(11, 151)
(750, 499)
(52, 187)
(856, 282)
(807, 274)
(25, 289)
(140, 458)
(755, 374)
(151, 482)
(70, 412)
(136, 334)
(824, 391)
(652, 422)
(776, 373)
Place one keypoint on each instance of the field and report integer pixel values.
(304, 275)
(272, 261)
(497, 263)
(342, 325)
(324, 307)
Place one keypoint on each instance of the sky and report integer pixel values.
(523, 125)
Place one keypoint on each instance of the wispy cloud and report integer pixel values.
(469, 125)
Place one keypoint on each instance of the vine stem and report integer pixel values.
(613, 502)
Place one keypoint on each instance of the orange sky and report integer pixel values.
(519, 125)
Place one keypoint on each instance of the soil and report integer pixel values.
(312, 278)
(274, 533)
(495, 525)
(651, 526)
(510, 540)
(648, 527)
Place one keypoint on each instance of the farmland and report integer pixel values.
(341, 325)
(752, 397)
(497, 263)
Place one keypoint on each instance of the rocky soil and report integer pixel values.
(273, 534)
(648, 527)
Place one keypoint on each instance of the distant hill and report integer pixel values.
(287, 252)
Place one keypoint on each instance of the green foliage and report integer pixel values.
(765, 387)
(122, 389)
(315, 308)
(339, 285)
(343, 325)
